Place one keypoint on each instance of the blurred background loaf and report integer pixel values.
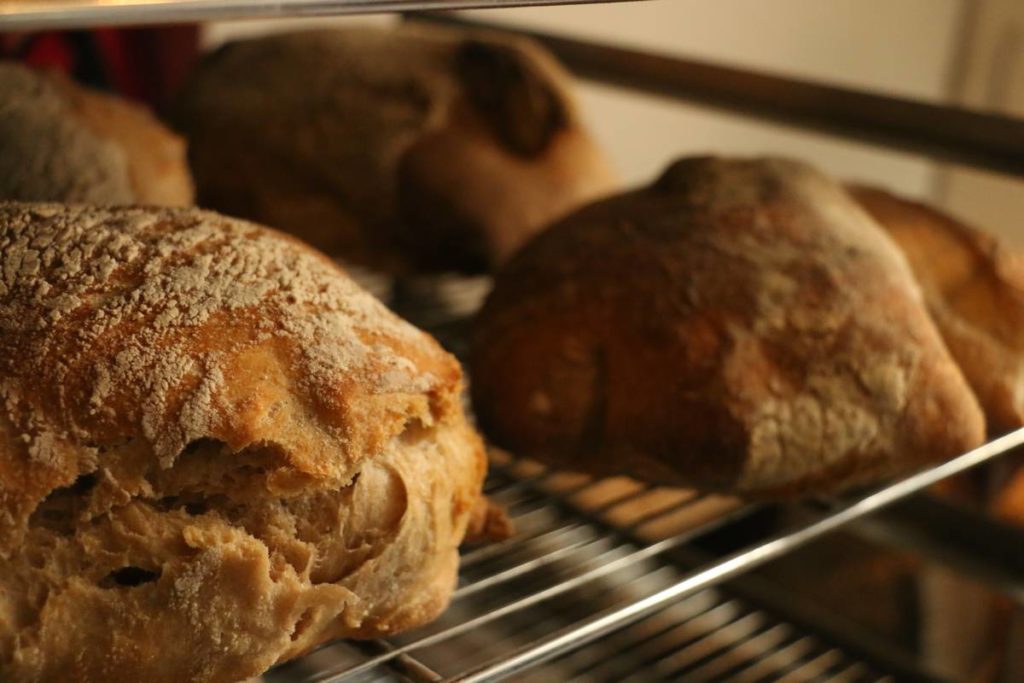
(66, 142)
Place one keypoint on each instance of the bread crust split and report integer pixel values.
(974, 287)
(64, 142)
(216, 451)
(408, 149)
(739, 325)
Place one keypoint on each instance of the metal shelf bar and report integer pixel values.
(986, 140)
(612, 619)
(33, 15)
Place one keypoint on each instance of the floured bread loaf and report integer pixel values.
(63, 142)
(216, 451)
(738, 325)
(409, 148)
(974, 287)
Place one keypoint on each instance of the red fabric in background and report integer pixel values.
(145, 64)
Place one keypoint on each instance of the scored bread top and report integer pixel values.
(171, 326)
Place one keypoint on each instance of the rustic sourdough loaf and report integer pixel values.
(739, 325)
(216, 451)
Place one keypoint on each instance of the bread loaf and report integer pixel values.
(63, 142)
(216, 451)
(409, 149)
(739, 325)
(974, 287)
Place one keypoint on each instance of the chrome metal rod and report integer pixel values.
(948, 133)
(33, 15)
(557, 554)
(735, 564)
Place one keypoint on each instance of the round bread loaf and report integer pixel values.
(409, 148)
(739, 325)
(62, 142)
(216, 451)
(974, 287)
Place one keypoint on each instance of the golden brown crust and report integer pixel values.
(974, 287)
(216, 451)
(64, 142)
(739, 325)
(410, 148)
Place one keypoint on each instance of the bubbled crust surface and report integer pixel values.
(64, 142)
(409, 148)
(216, 451)
(974, 287)
(739, 325)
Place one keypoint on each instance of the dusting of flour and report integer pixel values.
(143, 280)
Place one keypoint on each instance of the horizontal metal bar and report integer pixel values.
(556, 555)
(708, 645)
(791, 655)
(949, 133)
(409, 668)
(611, 619)
(610, 665)
(520, 541)
(766, 638)
(812, 669)
(33, 15)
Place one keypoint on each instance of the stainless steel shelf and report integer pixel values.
(983, 139)
(26, 15)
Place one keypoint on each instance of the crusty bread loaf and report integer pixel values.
(63, 142)
(974, 287)
(738, 325)
(216, 451)
(409, 148)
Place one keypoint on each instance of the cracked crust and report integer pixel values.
(738, 325)
(64, 142)
(974, 287)
(216, 451)
(411, 148)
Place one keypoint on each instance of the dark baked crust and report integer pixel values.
(738, 325)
